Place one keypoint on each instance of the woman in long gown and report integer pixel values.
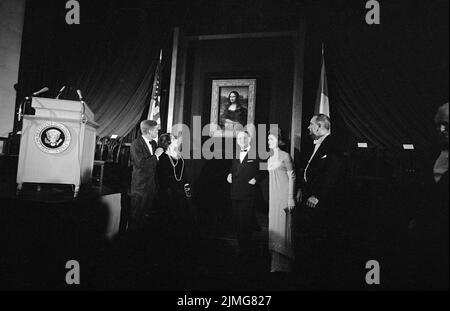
(281, 205)
(173, 199)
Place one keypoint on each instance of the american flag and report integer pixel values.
(154, 109)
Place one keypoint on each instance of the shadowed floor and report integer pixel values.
(40, 232)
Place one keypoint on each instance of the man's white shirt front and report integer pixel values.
(149, 144)
(441, 165)
(243, 154)
(317, 144)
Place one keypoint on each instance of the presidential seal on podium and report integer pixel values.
(52, 137)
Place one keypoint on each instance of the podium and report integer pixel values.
(57, 144)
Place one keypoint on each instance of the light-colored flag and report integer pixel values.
(155, 101)
(322, 101)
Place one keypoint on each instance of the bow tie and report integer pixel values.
(244, 150)
(318, 141)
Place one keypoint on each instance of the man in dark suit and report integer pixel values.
(144, 155)
(318, 189)
(321, 173)
(245, 174)
(435, 231)
(440, 168)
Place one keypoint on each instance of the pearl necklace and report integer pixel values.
(174, 165)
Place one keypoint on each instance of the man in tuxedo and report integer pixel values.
(244, 176)
(440, 169)
(317, 192)
(436, 231)
(321, 172)
(144, 155)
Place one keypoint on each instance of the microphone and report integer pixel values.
(79, 95)
(43, 90)
(60, 92)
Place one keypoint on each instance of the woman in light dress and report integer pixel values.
(281, 204)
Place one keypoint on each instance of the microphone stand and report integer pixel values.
(21, 113)
(23, 105)
(60, 92)
(83, 116)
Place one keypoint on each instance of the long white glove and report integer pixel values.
(291, 201)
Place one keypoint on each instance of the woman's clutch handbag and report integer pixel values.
(187, 190)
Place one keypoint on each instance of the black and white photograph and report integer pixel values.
(225, 152)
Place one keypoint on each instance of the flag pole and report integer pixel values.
(155, 97)
(322, 101)
(160, 61)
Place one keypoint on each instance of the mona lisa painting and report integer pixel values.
(232, 105)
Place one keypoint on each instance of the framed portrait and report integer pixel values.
(232, 105)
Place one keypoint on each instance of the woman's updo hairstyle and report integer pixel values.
(280, 138)
(165, 140)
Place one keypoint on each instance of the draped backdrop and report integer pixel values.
(385, 81)
(111, 57)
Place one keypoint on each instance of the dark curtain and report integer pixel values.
(386, 81)
(111, 57)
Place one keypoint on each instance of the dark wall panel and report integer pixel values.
(270, 62)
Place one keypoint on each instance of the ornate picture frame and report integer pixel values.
(232, 105)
